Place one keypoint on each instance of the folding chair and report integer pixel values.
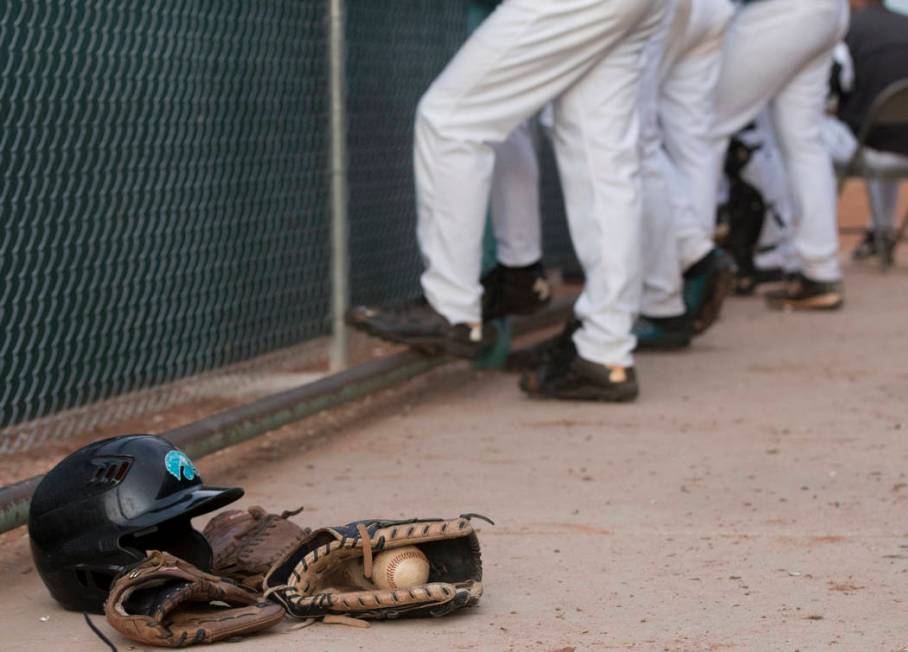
(889, 109)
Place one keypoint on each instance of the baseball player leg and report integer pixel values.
(687, 114)
(766, 172)
(525, 55)
(516, 216)
(662, 269)
(779, 51)
(517, 285)
(596, 139)
(880, 236)
(881, 233)
(662, 295)
(768, 44)
(883, 195)
(797, 114)
(664, 322)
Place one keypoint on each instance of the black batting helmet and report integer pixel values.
(101, 508)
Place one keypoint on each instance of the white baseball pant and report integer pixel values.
(766, 172)
(516, 212)
(678, 111)
(587, 56)
(882, 193)
(778, 54)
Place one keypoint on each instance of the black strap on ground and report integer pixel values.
(99, 633)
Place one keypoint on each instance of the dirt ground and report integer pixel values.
(159, 409)
(753, 499)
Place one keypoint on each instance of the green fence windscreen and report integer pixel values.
(395, 50)
(164, 183)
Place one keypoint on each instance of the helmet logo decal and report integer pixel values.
(179, 465)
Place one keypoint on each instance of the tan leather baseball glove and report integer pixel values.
(168, 602)
(246, 544)
(330, 573)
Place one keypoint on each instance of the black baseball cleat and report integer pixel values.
(417, 324)
(514, 291)
(746, 284)
(573, 274)
(535, 356)
(568, 377)
(873, 244)
(706, 284)
(662, 333)
(802, 293)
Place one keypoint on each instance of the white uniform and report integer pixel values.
(882, 193)
(766, 172)
(778, 54)
(516, 213)
(678, 108)
(586, 55)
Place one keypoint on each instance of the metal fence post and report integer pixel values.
(340, 250)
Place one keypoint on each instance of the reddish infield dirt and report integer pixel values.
(753, 499)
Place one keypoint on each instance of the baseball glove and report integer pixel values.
(245, 545)
(168, 602)
(329, 575)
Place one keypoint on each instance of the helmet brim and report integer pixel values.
(209, 499)
(190, 503)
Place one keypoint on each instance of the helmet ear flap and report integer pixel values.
(93, 579)
(176, 536)
(91, 583)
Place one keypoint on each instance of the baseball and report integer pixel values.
(400, 568)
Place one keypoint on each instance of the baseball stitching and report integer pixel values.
(394, 563)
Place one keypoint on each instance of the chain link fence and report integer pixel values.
(391, 62)
(164, 186)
